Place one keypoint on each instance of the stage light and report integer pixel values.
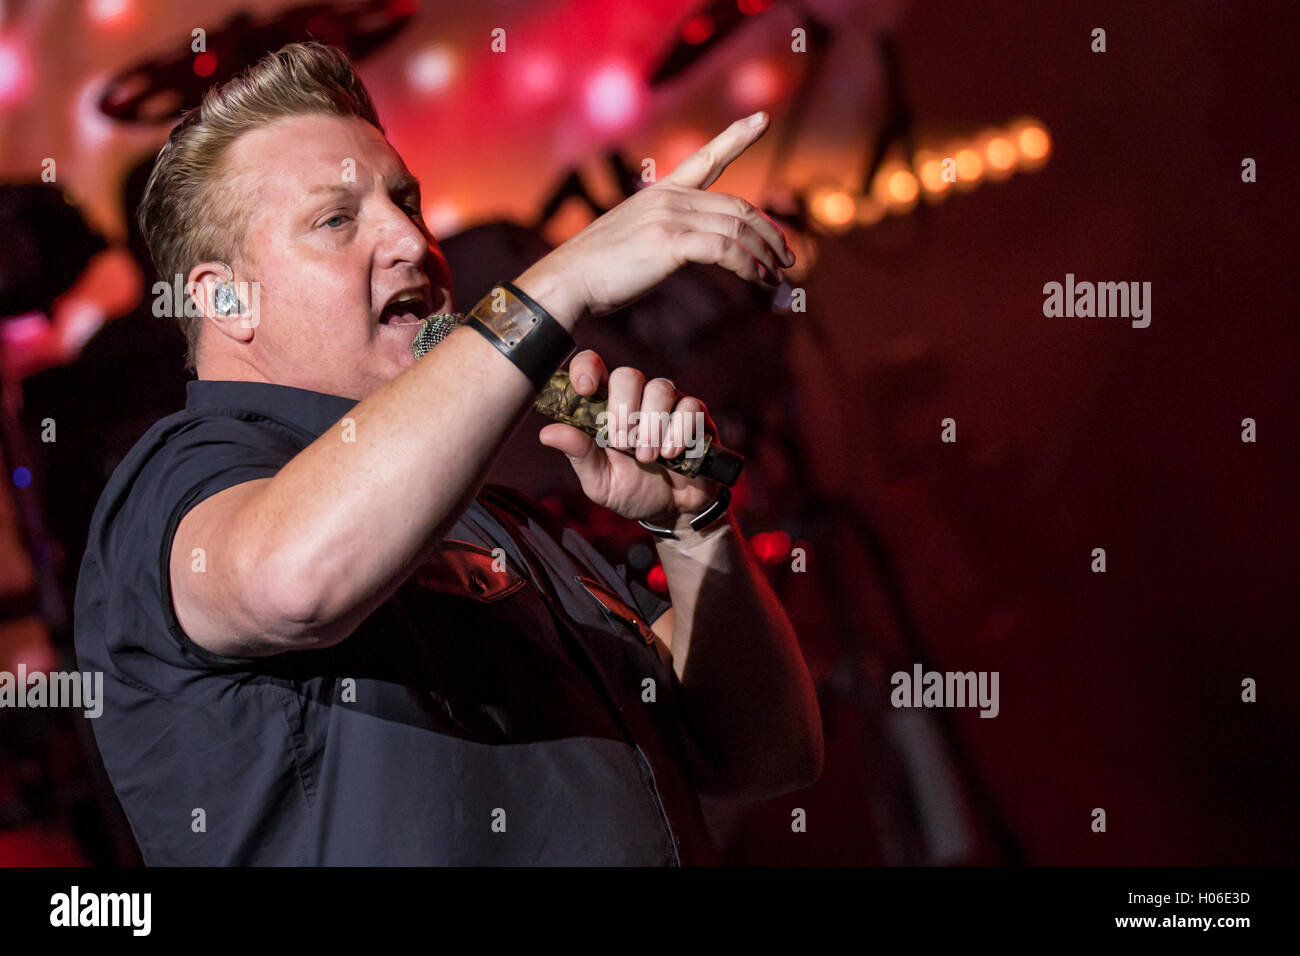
(754, 83)
(80, 322)
(1001, 154)
(442, 218)
(205, 64)
(697, 29)
(771, 547)
(540, 77)
(998, 153)
(832, 207)
(612, 97)
(895, 187)
(110, 13)
(902, 187)
(929, 170)
(1034, 142)
(15, 77)
(969, 167)
(430, 70)
(894, 190)
(657, 579)
(92, 128)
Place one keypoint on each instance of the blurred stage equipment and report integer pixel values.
(163, 88)
(919, 763)
(47, 244)
(919, 173)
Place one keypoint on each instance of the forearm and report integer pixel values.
(350, 517)
(748, 699)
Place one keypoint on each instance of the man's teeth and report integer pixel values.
(403, 312)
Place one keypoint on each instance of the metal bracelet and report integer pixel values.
(702, 520)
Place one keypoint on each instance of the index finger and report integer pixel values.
(702, 168)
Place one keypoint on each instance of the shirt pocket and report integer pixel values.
(617, 608)
(465, 569)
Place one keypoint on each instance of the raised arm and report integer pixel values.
(298, 560)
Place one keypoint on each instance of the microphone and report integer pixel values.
(559, 400)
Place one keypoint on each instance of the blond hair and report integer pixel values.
(189, 213)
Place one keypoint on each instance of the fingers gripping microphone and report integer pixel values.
(559, 400)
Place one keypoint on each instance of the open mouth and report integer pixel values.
(408, 307)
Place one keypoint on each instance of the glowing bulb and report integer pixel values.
(205, 64)
(442, 218)
(1034, 142)
(612, 97)
(930, 172)
(109, 12)
(15, 76)
(754, 83)
(969, 165)
(697, 29)
(902, 186)
(832, 207)
(1000, 153)
(541, 75)
(430, 70)
(895, 187)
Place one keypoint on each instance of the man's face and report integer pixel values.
(333, 235)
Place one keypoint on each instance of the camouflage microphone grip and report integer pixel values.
(559, 400)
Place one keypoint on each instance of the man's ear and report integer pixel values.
(204, 283)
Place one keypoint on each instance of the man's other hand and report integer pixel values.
(651, 417)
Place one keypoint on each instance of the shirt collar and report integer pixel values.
(314, 412)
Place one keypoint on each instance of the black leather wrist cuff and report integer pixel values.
(525, 333)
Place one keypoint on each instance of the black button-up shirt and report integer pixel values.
(480, 716)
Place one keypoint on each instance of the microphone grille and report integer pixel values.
(434, 329)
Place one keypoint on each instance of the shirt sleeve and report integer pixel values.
(127, 586)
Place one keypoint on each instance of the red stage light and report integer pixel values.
(657, 579)
(205, 64)
(770, 546)
(697, 29)
(540, 76)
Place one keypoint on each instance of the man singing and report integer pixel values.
(324, 639)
